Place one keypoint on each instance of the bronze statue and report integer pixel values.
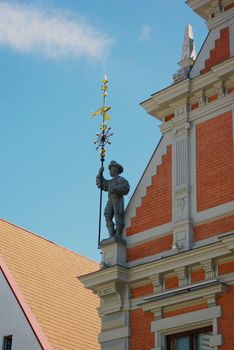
(117, 187)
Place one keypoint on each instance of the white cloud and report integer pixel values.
(145, 32)
(53, 34)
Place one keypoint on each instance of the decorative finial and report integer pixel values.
(103, 137)
(188, 55)
(188, 51)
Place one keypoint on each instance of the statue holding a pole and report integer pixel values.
(118, 186)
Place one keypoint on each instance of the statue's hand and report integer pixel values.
(101, 170)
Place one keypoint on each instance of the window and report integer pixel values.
(7, 342)
(193, 340)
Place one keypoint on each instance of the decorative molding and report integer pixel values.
(157, 282)
(182, 274)
(111, 298)
(114, 334)
(118, 344)
(185, 322)
(209, 268)
(211, 109)
(181, 320)
(101, 279)
(158, 313)
(179, 297)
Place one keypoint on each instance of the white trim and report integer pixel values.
(190, 321)
(212, 109)
(180, 297)
(210, 240)
(148, 235)
(184, 288)
(193, 171)
(220, 20)
(214, 213)
(150, 258)
(114, 334)
(183, 320)
(232, 36)
(233, 117)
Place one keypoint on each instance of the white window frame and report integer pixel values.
(186, 322)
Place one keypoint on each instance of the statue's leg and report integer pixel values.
(119, 215)
(109, 214)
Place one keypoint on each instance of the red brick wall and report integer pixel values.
(141, 336)
(150, 248)
(220, 52)
(185, 310)
(213, 228)
(194, 106)
(212, 98)
(171, 282)
(169, 117)
(226, 267)
(230, 90)
(142, 291)
(228, 7)
(215, 161)
(198, 275)
(226, 322)
(156, 205)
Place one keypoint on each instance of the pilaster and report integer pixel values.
(182, 225)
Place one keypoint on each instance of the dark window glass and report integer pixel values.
(197, 339)
(7, 342)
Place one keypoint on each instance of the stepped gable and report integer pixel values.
(156, 206)
(45, 274)
(220, 52)
(219, 44)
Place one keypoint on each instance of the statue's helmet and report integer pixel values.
(117, 165)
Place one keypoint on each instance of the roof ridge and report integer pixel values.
(46, 239)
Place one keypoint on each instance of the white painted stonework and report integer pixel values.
(13, 321)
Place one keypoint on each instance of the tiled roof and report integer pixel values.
(46, 275)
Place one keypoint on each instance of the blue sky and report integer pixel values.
(53, 56)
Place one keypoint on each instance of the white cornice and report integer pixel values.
(160, 99)
(220, 19)
(121, 274)
(163, 100)
(218, 249)
(104, 276)
(220, 105)
(179, 297)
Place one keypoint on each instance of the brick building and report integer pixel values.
(169, 285)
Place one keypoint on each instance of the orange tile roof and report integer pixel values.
(46, 275)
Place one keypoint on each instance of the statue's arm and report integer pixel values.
(101, 182)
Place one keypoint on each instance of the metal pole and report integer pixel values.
(103, 140)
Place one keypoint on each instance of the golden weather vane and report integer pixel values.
(103, 138)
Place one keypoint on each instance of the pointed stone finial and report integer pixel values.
(188, 55)
(188, 50)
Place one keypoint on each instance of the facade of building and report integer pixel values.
(43, 305)
(169, 284)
